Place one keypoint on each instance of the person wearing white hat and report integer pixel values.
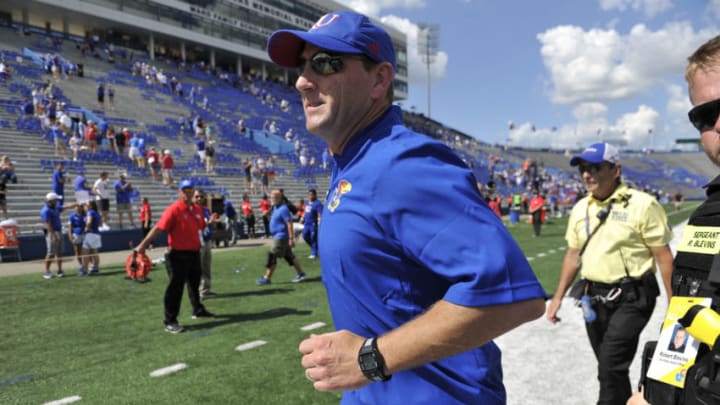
(50, 216)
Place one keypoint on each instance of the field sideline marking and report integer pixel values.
(544, 254)
(313, 326)
(168, 370)
(16, 379)
(250, 345)
(68, 400)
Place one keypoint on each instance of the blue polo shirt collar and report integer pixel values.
(391, 116)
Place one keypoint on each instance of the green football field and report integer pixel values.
(99, 338)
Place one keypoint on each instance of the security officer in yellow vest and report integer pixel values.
(698, 252)
(616, 236)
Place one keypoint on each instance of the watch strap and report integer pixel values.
(371, 361)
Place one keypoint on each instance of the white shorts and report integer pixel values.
(133, 153)
(92, 241)
(82, 196)
(201, 153)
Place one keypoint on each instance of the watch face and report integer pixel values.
(367, 362)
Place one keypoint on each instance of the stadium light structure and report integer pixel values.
(427, 43)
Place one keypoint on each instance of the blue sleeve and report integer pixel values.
(443, 223)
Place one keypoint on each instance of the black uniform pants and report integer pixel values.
(182, 267)
(614, 338)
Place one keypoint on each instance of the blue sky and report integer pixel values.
(578, 71)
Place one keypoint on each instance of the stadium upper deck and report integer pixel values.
(230, 34)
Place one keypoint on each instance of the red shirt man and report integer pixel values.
(247, 208)
(184, 222)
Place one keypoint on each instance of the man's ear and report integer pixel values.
(383, 79)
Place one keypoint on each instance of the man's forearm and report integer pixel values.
(568, 272)
(447, 329)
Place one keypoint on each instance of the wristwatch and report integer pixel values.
(371, 361)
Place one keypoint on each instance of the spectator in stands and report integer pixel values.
(76, 145)
(50, 216)
(146, 218)
(210, 157)
(241, 127)
(102, 196)
(82, 189)
(247, 171)
(200, 147)
(7, 169)
(120, 141)
(153, 159)
(110, 139)
(283, 234)
(167, 167)
(141, 150)
(265, 207)
(205, 103)
(264, 177)
(58, 139)
(134, 151)
(211, 218)
(123, 190)
(91, 136)
(325, 158)
(248, 215)
(92, 241)
(4, 72)
(28, 108)
(66, 124)
(76, 234)
(101, 96)
(271, 170)
(111, 96)
(346, 69)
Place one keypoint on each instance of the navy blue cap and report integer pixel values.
(336, 31)
(597, 153)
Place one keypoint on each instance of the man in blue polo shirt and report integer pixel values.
(50, 216)
(281, 229)
(58, 182)
(123, 189)
(418, 283)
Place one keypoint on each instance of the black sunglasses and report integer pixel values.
(592, 168)
(704, 116)
(325, 64)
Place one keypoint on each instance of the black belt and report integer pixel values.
(598, 287)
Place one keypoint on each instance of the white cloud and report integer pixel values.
(605, 65)
(714, 7)
(647, 7)
(417, 69)
(373, 7)
(678, 104)
(635, 129)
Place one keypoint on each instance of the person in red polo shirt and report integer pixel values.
(184, 222)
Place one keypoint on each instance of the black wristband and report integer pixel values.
(371, 361)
